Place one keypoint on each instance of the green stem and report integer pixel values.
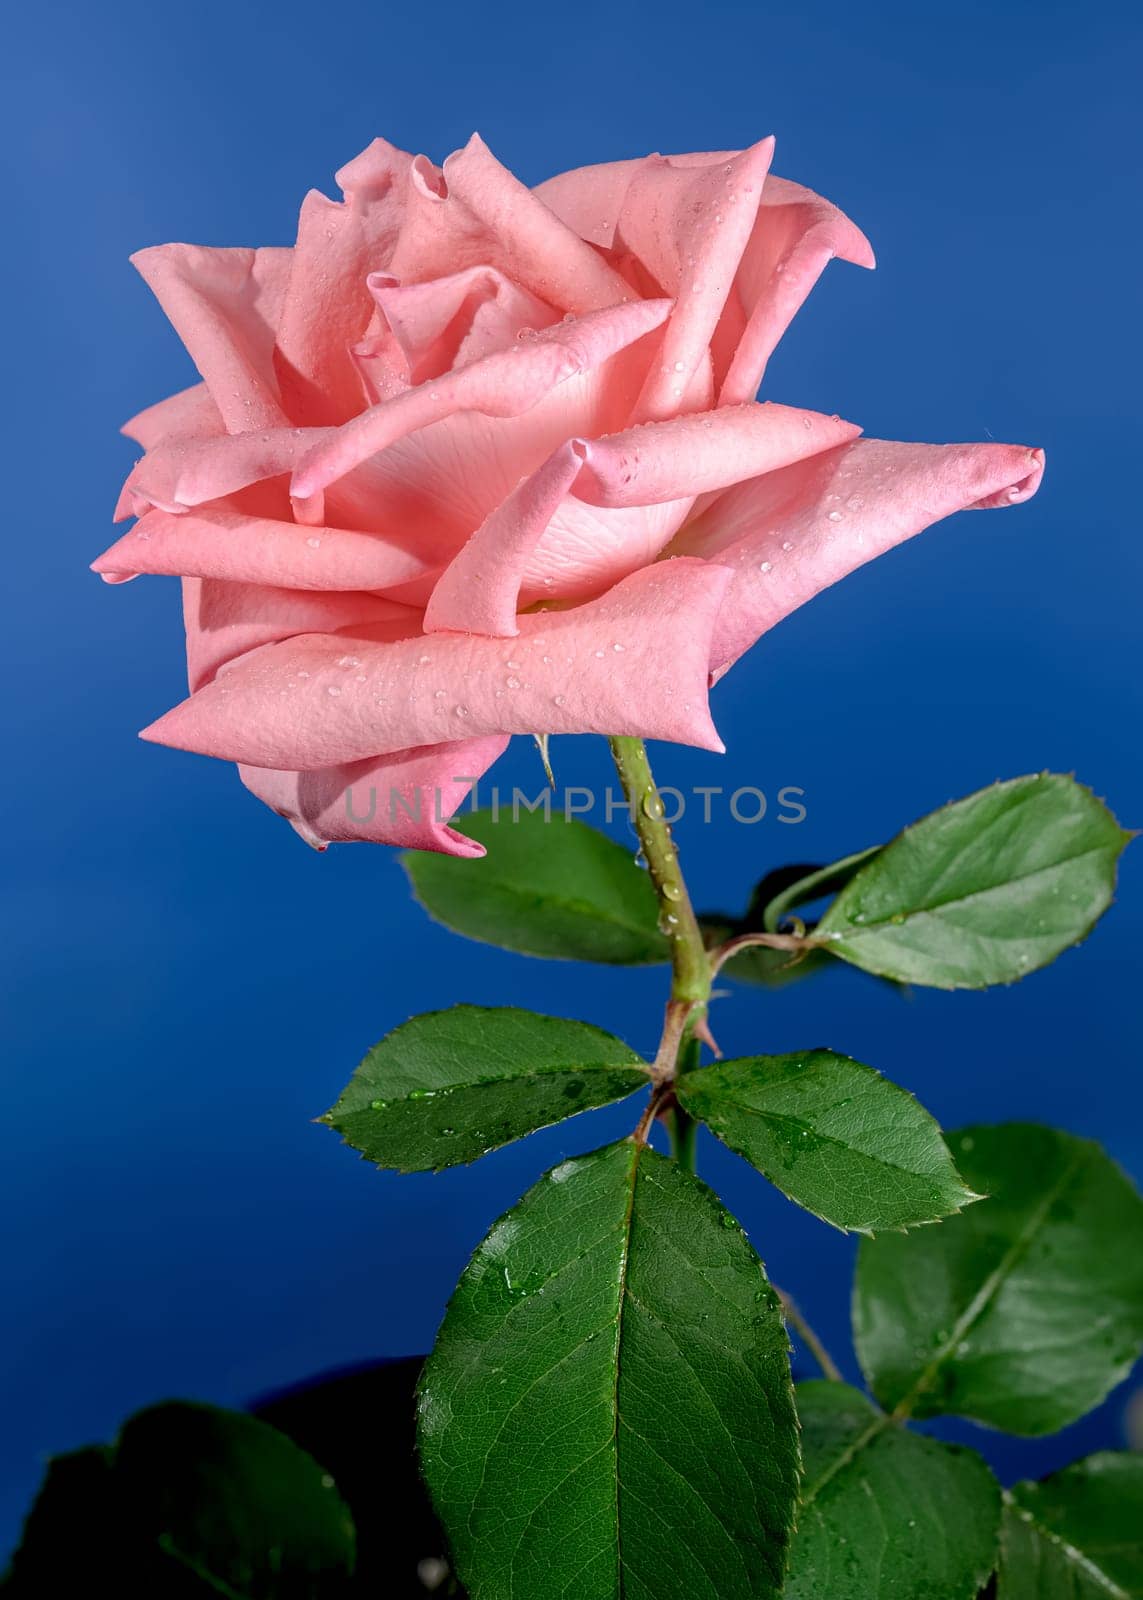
(681, 1126)
(690, 964)
(682, 1130)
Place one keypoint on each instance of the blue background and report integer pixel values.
(188, 985)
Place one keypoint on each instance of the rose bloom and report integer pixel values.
(473, 460)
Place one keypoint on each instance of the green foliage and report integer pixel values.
(834, 1135)
(610, 1393)
(1023, 1311)
(775, 896)
(547, 887)
(885, 1513)
(984, 890)
(774, 900)
(1078, 1535)
(608, 1412)
(189, 1502)
(451, 1085)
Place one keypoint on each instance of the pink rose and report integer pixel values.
(473, 460)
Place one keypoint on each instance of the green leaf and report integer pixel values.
(71, 1534)
(452, 1085)
(984, 890)
(1078, 1535)
(774, 897)
(610, 1396)
(834, 1135)
(547, 887)
(810, 884)
(1025, 1310)
(190, 1501)
(886, 1514)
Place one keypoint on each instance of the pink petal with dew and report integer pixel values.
(502, 385)
(690, 226)
(225, 305)
(590, 199)
(692, 455)
(186, 471)
(634, 661)
(380, 364)
(535, 248)
(413, 488)
(191, 411)
(792, 533)
(796, 234)
(327, 306)
(627, 495)
(480, 589)
(217, 543)
(638, 487)
(585, 548)
(449, 322)
(403, 799)
(225, 621)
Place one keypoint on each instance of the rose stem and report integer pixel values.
(690, 963)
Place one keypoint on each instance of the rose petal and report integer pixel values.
(633, 493)
(690, 226)
(796, 234)
(217, 543)
(327, 306)
(403, 799)
(509, 229)
(590, 199)
(451, 321)
(225, 621)
(792, 533)
(187, 471)
(224, 305)
(692, 455)
(479, 591)
(584, 547)
(634, 661)
(502, 385)
(644, 478)
(191, 411)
